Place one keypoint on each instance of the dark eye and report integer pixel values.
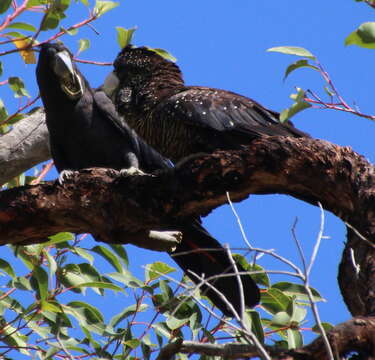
(51, 52)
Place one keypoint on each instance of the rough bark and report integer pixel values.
(117, 209)
(24, 146)
(356, 334)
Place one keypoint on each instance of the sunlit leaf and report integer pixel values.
(299, 105)
(282, 318)
(130, 310)
(100, 285)
(326, 326)
(293, 50)
(364, 36)
(91, 312)
(297, 65)
(109, 256)
(274, 301)
(164, 53)
(3, 111)
(7, 268)
(157, 269)
(59, 238)
(295, 339)
(84, 254)
(51, 262)
(121, 252)
(124, 36)
(297, 290)
(261, 277)
(18, 87)
(22, 26)
(101, 6)
(84, 44)
(28, 56)
(41, 278)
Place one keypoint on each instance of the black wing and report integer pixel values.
(149, 159)
(225, 111)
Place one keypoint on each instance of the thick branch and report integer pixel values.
(24, 146)
(120, 209)
(356, 334)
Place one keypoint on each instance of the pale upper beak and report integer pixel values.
(110, 85)
(71, 82)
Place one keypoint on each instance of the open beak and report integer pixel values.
(71, 82)
(111, 84)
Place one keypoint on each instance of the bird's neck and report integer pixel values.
(158, 86)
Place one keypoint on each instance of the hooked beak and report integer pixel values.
(111, 84)
(71, 82)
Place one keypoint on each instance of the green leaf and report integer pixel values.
(101, 7)
(157, 269)
(32, 3)
(109, 256)
(91, 312)
(41, 278)
(84, 44)
(51, 262)
(51, 306)
(121, 252)
(70, 31)
(165, 54)
(297, 290)
(1, 68)
(299, 105)
(4, 5)
(22, 26)
(295, 339)
(127, 278)
(256, 324)
(364, 36)
(297, 65)
(130, 310)
(3, 111)
(52, 20)
(18, 87)
(282, 318)
(326, 326)
(7, 268)
(124, 36)
(175, 323)
(293, 50)
(85, 2)
(261, 277)
(274, 301)
(100, 285)
(83, 254)
(59, 238)
(133, 343)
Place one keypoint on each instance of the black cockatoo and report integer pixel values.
(86, 131)
(178, 120)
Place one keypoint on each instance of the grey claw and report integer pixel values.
(65, 175)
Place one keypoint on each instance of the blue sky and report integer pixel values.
(223, 44)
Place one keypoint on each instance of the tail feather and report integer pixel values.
(207, 263)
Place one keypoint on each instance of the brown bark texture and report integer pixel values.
(123, 209)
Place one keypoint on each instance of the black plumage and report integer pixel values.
(85, 131)
(179, 120)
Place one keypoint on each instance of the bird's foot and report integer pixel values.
(65, 175)
(132, 171)
(165, 240)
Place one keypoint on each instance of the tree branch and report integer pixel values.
(117, 209)
(24, 146)
(356, 334)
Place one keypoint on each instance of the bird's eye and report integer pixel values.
(51, 52)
